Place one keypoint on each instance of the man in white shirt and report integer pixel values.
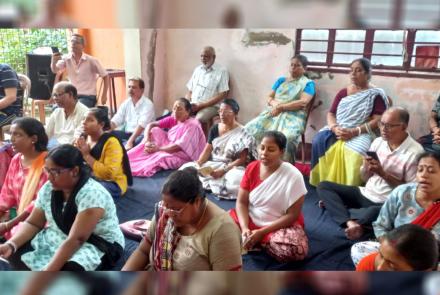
(397, 155)
(208, 86)
(65, 122)
(133, 115)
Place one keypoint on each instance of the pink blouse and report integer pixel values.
(11, 190)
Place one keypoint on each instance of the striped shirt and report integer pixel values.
(400, 163)
(9, 79)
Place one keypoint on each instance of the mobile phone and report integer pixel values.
(55, 49)
(373, 155)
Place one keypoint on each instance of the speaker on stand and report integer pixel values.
(42, 79)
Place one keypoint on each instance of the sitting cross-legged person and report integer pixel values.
(159, 150)
(25, 175)
(188, 232)
(228, 150)
(417, 203)
(73, 225)
(104, 153)
(269, 203)
(396, 164)
(402, 250)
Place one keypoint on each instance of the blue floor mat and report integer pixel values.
(328, 247)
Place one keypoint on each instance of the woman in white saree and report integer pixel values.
(269, 203)
(229, 148)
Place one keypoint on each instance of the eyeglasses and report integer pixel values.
(227, 112)
(171, 212)
(55, 95)
(387, 125)
(55, 172)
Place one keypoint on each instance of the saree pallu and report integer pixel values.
(290, 123)
(285, 244)
(226, 149)
(337, 160)
(165, 242)
(6, 155)
(188, 135)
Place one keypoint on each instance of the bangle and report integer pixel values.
(359, 130)
(12, 245)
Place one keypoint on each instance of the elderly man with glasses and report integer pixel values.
(65, 122)
(391, 161)
(208, 86)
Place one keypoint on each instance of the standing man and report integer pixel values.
(208, 86)
(10, 105)
(134, 114)
(83, 71)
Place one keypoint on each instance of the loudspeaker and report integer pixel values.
(40, 74)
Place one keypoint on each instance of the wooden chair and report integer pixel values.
(310, 107)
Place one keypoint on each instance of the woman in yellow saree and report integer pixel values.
(338, 148)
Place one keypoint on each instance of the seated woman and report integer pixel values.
(338, 148)
(187, 232)
(286, 107)
(401, 250)
(25, 175)
(269, 203)
(6, 154)
(73, 225)
(431, 142)
(104, 153)
(228, 150)
(417, 203)
(182, 143)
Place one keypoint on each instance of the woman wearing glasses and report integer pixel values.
(286, 107)
(338, 148)
(228, 150)
(25, 174)
(187, 232)
(73, 225)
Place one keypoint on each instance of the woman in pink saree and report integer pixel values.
(183, 142)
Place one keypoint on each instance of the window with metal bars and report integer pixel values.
(403, 53)
(15, 43)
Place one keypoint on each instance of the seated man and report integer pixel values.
(10, 106)
(208, 86)
(396, 164)
(133, 115)
(64, 125)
